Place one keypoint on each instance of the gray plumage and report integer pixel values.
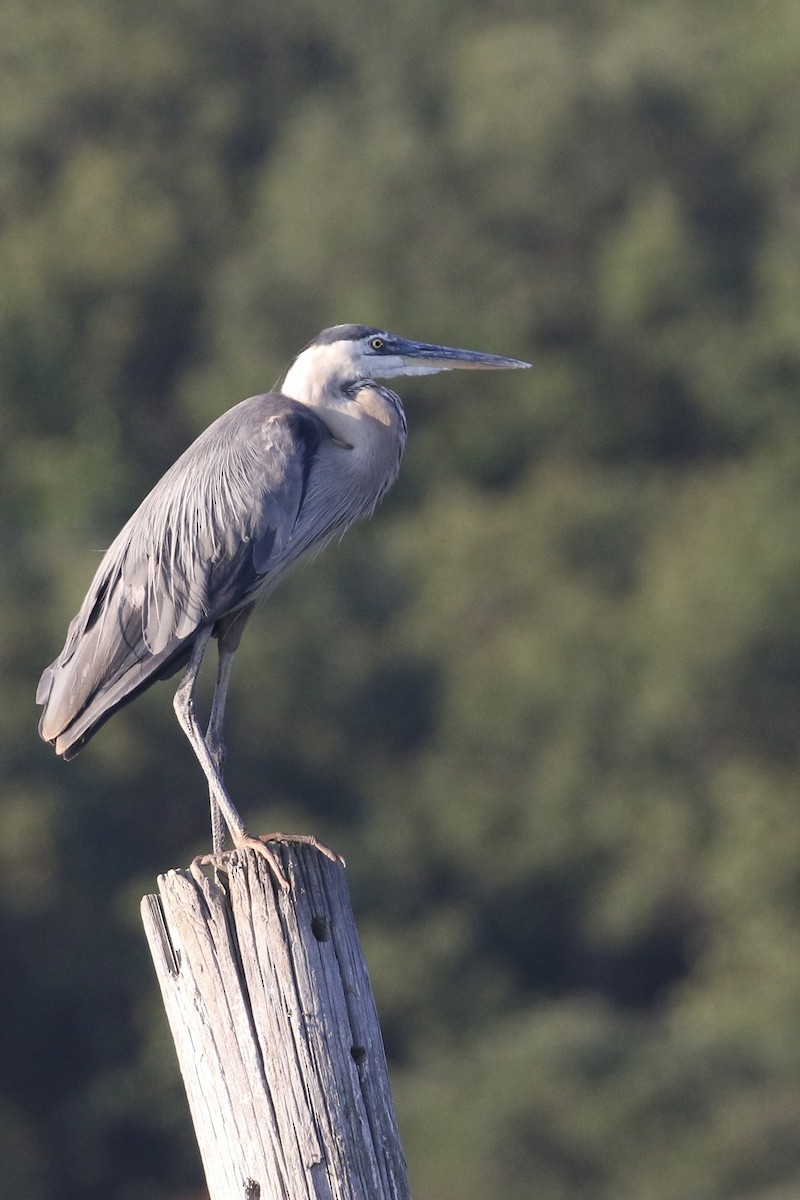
(275, 477)
(214, 535)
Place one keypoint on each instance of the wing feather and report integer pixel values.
(207, 539)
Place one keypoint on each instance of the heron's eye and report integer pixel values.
(376, 343)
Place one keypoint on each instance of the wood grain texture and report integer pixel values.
(277, 1036)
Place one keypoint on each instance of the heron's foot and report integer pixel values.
(261, 846)
(298, 839)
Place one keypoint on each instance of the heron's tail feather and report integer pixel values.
(105, 663)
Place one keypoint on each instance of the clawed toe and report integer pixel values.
(217, 861)
(261, 846)
(302, 839)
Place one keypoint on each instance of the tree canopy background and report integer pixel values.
(547, 703)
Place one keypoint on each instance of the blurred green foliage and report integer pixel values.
(548, 702)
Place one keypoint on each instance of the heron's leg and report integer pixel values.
(229, 633)
(210, 753)
(215, 741)
(187, 716)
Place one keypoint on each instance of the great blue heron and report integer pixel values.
(277, 476)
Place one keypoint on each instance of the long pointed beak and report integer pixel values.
(449, 358)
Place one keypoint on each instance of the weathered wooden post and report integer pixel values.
(277, 1036)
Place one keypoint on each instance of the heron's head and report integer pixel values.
(343, 355)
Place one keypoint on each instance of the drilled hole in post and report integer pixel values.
(320, 928)
(358, 1054)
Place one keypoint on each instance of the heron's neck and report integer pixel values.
(315, 376)
(368, 420)
(359, 416)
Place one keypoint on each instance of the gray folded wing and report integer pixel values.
(214, 532)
